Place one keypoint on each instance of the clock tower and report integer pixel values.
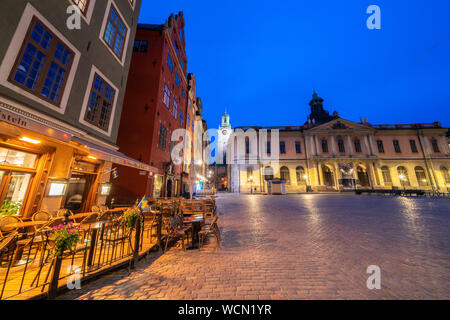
(225, 132)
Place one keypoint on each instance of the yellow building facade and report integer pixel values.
(341, 155)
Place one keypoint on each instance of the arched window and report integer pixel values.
(301, 175)
(421, 176)
(268, 173)
(341, 145)
(324, 145)
(445, 175)
(403, 176)
(284, 175)
(386, 176)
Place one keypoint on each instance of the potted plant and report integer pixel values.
(66, 236)
(10, 208)
(131, 216)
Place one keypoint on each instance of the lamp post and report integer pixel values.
(250, 179)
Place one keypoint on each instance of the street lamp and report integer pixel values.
(250, 179)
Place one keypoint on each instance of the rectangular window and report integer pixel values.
(82, 4)
(298, 147)
(397, 146)
(162, 137)
(325, 146)
(181, 119)
(380, 146)
(413, 145)
(16, 158)
(268, 148)
(140, 46)
(341, 146)
(358, 146)
(188, 120)
(170, 63)
(166, 98)
(115, 33)
(100, 104)
(175, 109)
(183, 93)
(435, 146)
(177, 80)
(282, 147)
(247, 147)
(43, 64)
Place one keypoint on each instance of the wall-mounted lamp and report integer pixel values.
(105, 189)
(57, 188)
(29, 140)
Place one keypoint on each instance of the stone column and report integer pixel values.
(319, 173)
(350, 147)
(366, 143)
(336, 175)
(373, 151)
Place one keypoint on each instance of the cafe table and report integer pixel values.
(196, 222)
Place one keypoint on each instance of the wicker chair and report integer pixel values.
(7, 220)
(212, 228)
(41, 216)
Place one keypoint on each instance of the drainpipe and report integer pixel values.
(426, 163)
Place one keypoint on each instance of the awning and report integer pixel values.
(114, 156)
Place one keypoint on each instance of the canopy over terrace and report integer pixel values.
(114, 156)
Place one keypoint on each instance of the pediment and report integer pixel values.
(340, 124)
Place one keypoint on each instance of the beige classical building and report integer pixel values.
(329, 153)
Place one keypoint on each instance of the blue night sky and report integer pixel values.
(262, 59)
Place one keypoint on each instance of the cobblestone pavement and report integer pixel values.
(301, 247)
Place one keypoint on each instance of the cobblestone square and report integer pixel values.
(311, 246)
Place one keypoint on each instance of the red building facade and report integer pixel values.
(156, 102)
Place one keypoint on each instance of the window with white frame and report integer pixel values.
(42, 64)
(115, 32)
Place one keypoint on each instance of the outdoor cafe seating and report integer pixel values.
(105, 237)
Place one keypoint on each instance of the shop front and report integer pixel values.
(47, 167)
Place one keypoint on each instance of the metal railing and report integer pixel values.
(29, 266)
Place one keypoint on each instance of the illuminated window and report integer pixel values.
(284, 174)
(17, 158)
(421, 176)
(301, 175)
(82, 4)
(386, 176)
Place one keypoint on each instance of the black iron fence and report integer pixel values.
(29, 265)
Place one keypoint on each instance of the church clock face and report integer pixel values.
(225, 132)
